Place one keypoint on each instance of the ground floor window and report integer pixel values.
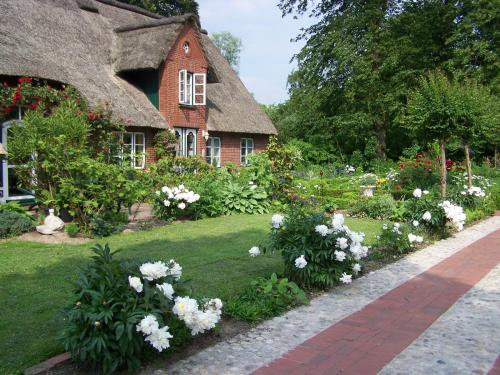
(134, 149)
(186, 141)
(213, 151)
(11, 187)
(246, 149)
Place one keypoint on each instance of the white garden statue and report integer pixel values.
(51, 225)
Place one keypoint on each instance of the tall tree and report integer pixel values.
(230, 46)
(363, 57)
(166, 8)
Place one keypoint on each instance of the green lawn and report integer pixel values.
(213, 253)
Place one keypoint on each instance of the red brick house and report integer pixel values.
(157, 73)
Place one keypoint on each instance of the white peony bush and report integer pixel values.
(132, 308)
(172, 202)
(318, 250)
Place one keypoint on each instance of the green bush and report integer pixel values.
(248, 198)
(397, 240)
(211, 202)
(13, 206)
(107, 223)
(14, 223)
(377, 207)
(265, 298)
(317, 250)
(72, 229)
(122, 310)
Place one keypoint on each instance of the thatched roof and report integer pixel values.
(231, 107)
(88, 43)
(56, 40)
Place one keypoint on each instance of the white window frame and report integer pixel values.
(4, 197)
(192, 88)
(201, 86)
(211, 146)
(246, 150)
(182, 149)
(133, 145)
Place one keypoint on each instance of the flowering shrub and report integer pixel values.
(438, 217)
(170, 203)
(124, 310)
(398, 239)
(469, 197)
(317, 250)
(265, 298)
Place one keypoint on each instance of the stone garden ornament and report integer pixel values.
(51, 225)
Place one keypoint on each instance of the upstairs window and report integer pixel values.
(246, 149)
(192, 88)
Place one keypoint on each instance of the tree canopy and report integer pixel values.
(363, 58)
(166, 8)
(230, 46)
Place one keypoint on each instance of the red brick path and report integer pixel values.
(364, 342)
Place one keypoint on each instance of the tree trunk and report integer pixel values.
(443, 169)
(380, 131)
(469, 165)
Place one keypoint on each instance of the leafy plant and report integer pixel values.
(107, 223)
(72, 229)
(397, 239)
(13, 223)
(265, 298)
(239, 198)
(164, 143)
(377, 207)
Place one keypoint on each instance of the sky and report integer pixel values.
(267, 49)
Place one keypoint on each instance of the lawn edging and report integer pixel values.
(50, 363)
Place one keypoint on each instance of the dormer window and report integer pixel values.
(185, 47)
(192, 88)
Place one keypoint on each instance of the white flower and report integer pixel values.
(153, 271)
(384, 227)
(420, 239)
(455, 214)
(340, 255)
(147, 325)
(322, 229)
(425, 192)
(427, 216)
(300, 262)
(250, 182)
(215, 304)
(412, 238)
(157, 192)
(356, 268)
(166, 203)
(346, 279)
(254, 251)
(181, 187)
(417, 193)
(159, 339)
(397, 225)
(197, 320)
(167, 289)
(277, 220)
(181, 205)
(253, 187)
(174, 269)
(416, 223)
(165, 189)
(338, 222)
(342, 243)
(136, 283)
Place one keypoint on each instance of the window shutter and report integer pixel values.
(200, 89)
(182, 86)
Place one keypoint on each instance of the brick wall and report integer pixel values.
(194, 117)
(231, 144)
